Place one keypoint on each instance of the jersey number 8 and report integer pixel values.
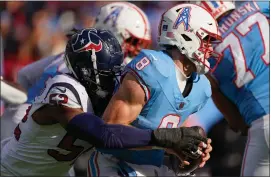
(142, 63)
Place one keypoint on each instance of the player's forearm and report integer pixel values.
(94, 130)
(225, 106)
(228, 109)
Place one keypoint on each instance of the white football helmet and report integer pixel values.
(129, 24)
(217, 8)
(190, 28)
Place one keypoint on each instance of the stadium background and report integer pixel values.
(33, 30)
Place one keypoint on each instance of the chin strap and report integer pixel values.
(181, 71)
(181, 79)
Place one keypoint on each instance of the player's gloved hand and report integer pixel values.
(185, 139)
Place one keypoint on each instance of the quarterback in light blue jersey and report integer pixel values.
(161, 89)
(243, 75)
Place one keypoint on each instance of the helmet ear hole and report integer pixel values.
(186, 38)
(178, 9)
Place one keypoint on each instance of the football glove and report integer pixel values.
(184, 139)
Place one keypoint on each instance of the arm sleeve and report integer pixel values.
(93, 129)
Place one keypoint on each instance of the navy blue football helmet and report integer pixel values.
(95, 58)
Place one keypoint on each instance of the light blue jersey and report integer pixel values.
(243, 73)
(50, 71)
(166, 107)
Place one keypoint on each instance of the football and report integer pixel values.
(185, 170)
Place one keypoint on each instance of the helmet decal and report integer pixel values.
(114, 15)
(217, 8)
(84, 43)
(183, 18)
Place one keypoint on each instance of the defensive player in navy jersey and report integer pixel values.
(243, 76)
(160, 89)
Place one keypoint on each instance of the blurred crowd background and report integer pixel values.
(33, 30)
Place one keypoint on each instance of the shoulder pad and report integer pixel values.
(156, 61)
(151, 63)
(150, 68)
(63, 90)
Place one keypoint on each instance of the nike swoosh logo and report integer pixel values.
(62, 91)
(153, 57)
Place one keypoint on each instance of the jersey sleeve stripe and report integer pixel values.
(95, 171)
(68, 86)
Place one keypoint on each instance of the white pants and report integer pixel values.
(11, 118)
(107, 165)
(4, 171)
(256, 156)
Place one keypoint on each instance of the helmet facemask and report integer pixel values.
(96, 81)
(195, 46)
(204, 52)
(103, 82)
(133, 45)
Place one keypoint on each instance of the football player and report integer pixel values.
(160, 89)
(243, 76)
(56, 128)
(132, 35)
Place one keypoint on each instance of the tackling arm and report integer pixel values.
(61, 103)
(227, 108)
(93, 129)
